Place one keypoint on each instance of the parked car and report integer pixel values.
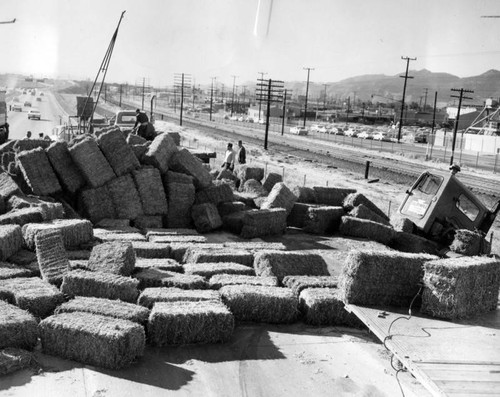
(365, 135)
(34, 114)
(316, 127)
(299, 130)
(27, 104)
(420, 138)
(124, 119)
(350, 132)
(17, 107)
(323, 129)
(382, 136)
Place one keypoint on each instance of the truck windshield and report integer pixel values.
(430, 184)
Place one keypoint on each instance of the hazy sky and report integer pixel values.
(338, 38)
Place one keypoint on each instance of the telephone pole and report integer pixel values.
(260, 99)
(232, 100)
(212, 96)
(307, 93)
(460, 97)
(324, 98)
(143, 81)
(425, 96)
(406, 77)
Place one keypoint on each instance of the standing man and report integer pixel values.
(228, 163)
(142, 121)
(242, 153)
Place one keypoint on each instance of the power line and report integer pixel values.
(406, 77)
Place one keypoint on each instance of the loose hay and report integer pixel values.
(79, 264)
(215, 194)
(97, 204)
(260, 303)
(51, 255)
(363, 212)
(106, 307)
(272, 179)
(179, 323)
(18, 328)
(92, 339)
(461, 287)
(381, 277)
(113, 257)
(181, 197)
(11, 240)
(9, 270)
(220, 280)
(280, 197)
(194, 255)
(118, 153)
(150, 296)
(364, 228)
(206, 217)
(265, 222)
(64, 166)
(145, 249)
(208, 269)
(158, 263)
(151, 192)
(470, 243)
(183, 161)
(160, 151)
(333, 196)
(100, 285)
(323, 220)
(284, 263)
(38, 172)
(299, 283)
(355, 199)
(125, 197)
(74, 232)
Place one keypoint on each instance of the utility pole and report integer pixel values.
(183, 81)
(232, 100)
(284, 112)
(324, 98)
(272, 90)
(425, 96)
(143, 81)
(307, 93)
(433, 121)
(260, 99)
(406, 77)
(212, 96)
(120, 104)
(460, 97)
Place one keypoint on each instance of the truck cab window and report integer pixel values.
(467, 207)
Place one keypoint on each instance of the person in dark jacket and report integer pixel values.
(142, 122)
(242, 153)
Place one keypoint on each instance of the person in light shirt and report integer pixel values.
(228, 163)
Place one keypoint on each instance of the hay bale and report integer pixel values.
(68, 173)
(21, 145)
(253, 187)
(181, 197)
(272, 179)
(363, 212)
(78, 254)
(246, 198)
(79, 264)
(37, 172)
(150, 296)
(140, 151)
(125, 197)
(265, 222)
(470, 243)
(32, 294)
(402, 224)
(74, 232)
(407, 242)
(214, 194)
(177, 177)
(299, 283)
(148, 222)
(97, 204)
(234, 222)
(100, 285)
(183, 161)
(255, 246)
(304, 194)
(230, 207)
(152, 277)
(298, 214)
(178, 250)
(92, 339)
(280, 197)
(323, 220)
(51, 255)
(218, 281)
(23, 216)
(150, 188)
(18, 328)
(121, 236)
(111, 224)
(105, 307)
(169, 239)
(260, 303)
(184, 281)
(180, 323)
(227, 175)
(176, 137)
(8, 186)
(324, 306)
(209, 269)
(170, 232)
(197, 255)
(289, 263)
(115, 257)
(23, 257)
(333, 196)
(146, 249)
(92, 163)
(169, 264)
(244, 173)
(134, 139)
(206, 217)
(9, 270)
(13, 359)
(463, 287)
(363, 228)
(259, 201)
(355, 199)
(11, 240)
(381, 277)
(50, 210)
(160, 152)
(120, 156)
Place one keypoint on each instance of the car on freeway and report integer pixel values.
(34, 114)
(27, 104)
(323, 129)
(350, 132)
(17, 107)
(382, 136)
(365, 135)
(299, 130)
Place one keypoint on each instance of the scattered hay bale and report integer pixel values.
(8, 186)
(51, 255)
(298, 214)
(121, 236)
(177, 177)
(246, 198)
(363, 228)
(272, 179)
(244, 173)
(196, 255)
(299, 283)
(205, 156)
(125, 197)
(176, 137)
(148, 222)
(32, 294)
(324, 306)
(181, 197)
(113, 257)
(260, 303)
(111, 224)
(134, 139)
(333, 196)
(218, 281)
(146, 249)
(38, 172)
(280, 197)
(323, 220)
(79, 264)
(355, 199)
(50, 210)
(21, 145)
(206, 217)
(160, 151)
(183, 161)
(304, 194)
(78, 254)
(230, 207)
(151, 192)
(64, 166)
(92, 339)
(227, 175)
(9, 270)
(119, 155)
(209, 269)
(169, 239)
(170, 232)
(214, 194)
(407, 242)
(179, 323)
(264, 222)
(23, 257)
(185, 281)
(23, 216)
(152, 277)
(288, 263)
(100, 285)
(11, 240)
(158, 263)
(105, 307)
(92, 162)
(470, 243)
(381, 277)
(254, 187)
(150, 296)
(178, 250)
(363, 212)
(255, 246)
(97, 204)
(140, 151)
(460, 287)
(74, 232)
(402, 224)
(18, 328)
(13, 359)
